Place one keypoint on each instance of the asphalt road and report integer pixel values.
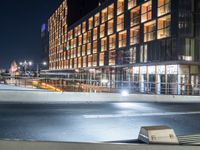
(94, 122)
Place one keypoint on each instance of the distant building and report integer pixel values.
(45, 43)
(13, 68)
(149, 45)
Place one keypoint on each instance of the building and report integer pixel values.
(45, 44)
(149, 46)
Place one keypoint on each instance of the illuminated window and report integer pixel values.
(71, 63)
(89, 60)
(146, 11)
(122, 39)
(104, 15)
(150, 31)
(89, 37)
(101, 59)
(95, 33)
(94, 47)
(90, 23)
(120, 23)
(84, 61)
(79, 52)
(102, 30)
(79, 29)
(94, 60)
(83, 27)
(80, 39)
(96, 20)
(84, 38)
(74, 43)
(112, 42)
(88, 48)
(103, 44)
(112, 57)
(132, 55)
(75, 52)
(110, 27)
(132, 3)
(83, 50)
(164, 7)
(110, 11)
(135, 16)
(164, 27)
(120, 7)
(70, 35)
(134, 35)
(72, 53)
(75, 63)
(79, 62)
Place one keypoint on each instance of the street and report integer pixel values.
(93, 122)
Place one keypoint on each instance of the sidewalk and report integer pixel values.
(16, 88)
(22, 95)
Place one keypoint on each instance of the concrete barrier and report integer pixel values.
(28, 145)
(71, 97)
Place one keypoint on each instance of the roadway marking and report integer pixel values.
(140, 115)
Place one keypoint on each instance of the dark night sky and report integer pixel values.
(20, 25)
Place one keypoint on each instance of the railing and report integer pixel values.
(87, 83)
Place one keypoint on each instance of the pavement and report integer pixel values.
(4, 87)
(94, 122)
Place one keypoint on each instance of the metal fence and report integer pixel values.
(102, 86)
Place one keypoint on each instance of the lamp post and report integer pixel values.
(44, 64)
(25, 65)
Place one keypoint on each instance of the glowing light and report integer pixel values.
(125, 93)
(104, 81)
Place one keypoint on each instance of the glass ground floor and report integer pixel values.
(174, 79)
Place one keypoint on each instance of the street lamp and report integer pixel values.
(25, 65)
(44, 64)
